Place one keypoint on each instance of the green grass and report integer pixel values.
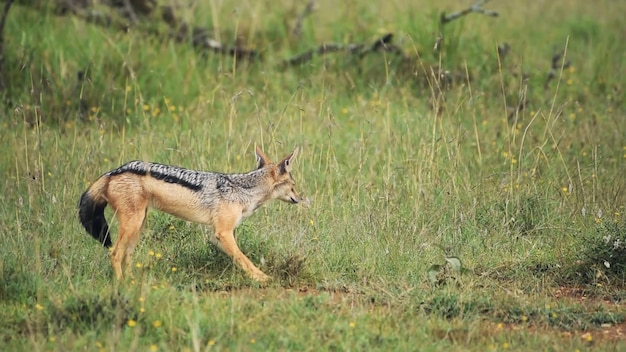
(398, 178)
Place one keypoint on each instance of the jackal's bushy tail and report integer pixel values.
(91, 212)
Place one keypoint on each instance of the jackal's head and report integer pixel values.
(283, 185)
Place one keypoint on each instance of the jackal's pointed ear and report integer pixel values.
(261, 158)
(285, 165)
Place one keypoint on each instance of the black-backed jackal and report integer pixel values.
(216, 199)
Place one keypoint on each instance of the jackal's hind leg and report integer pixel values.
(130, 226)
(224, 238)
(132, 244)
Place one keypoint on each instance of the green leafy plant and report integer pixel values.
(450, 271)
(604, 251)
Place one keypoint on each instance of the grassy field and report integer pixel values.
(458, 200)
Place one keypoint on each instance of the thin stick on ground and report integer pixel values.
(383, 43)
(477, 8)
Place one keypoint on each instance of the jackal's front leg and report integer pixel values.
(225, 240)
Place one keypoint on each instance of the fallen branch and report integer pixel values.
(558, 63)
(5, 12)
(201, 38)
(381, 44)
(133, 10)
(477, 8)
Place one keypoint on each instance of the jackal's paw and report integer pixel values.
(262, 278)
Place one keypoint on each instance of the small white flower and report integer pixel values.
(617, 244)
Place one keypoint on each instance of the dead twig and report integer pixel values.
(360, 50)
(297, 29)
(522, 103)
(503, 51)
(130, 11)
(558, 63)
(201, 37)
(477, 8)
(437, 45)
(136, 10)
(5, 13)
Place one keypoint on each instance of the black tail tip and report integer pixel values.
(92, 218)
(106, 241)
